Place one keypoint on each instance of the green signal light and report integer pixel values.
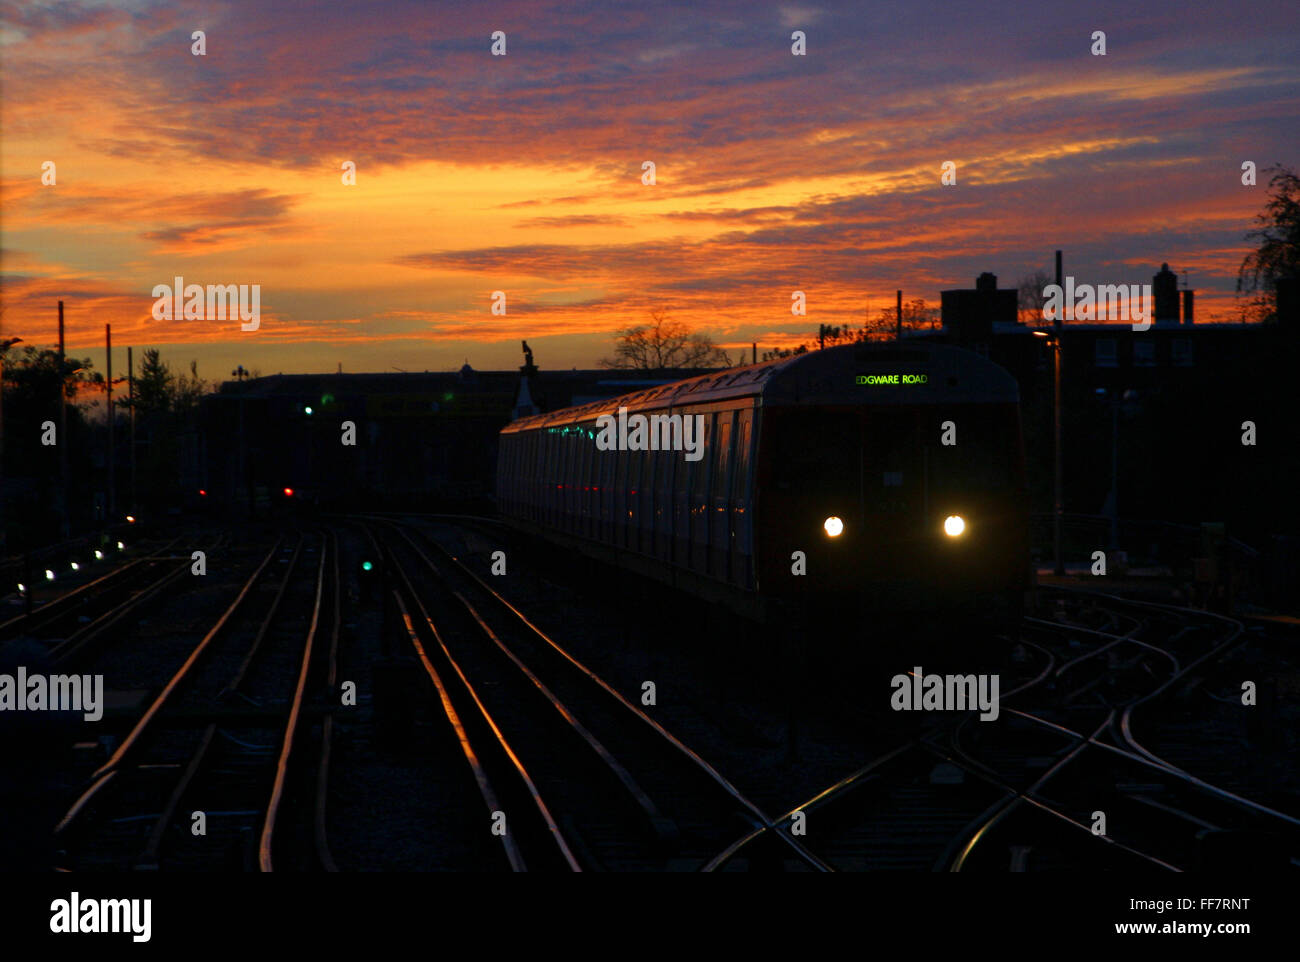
(366, 566)
(307, 410)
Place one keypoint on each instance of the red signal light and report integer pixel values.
(288, 492)
(202, 493)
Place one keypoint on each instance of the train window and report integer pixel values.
(634, 462)
(983, 459)
(700, 471)
(682, 474)
(723, 454)
(815, 453)
(645, 496)
(581, 484)
(620, 495)
(740, 473)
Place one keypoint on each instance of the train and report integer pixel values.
(853, 481)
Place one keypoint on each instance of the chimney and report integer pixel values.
(1189, 304)
(1165, 288)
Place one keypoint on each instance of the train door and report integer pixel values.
(700, 499)
(683, 480)
(893, 484)
(720, 494)
(636, 495)
(606, 483)
(645, 502)
(549, 491)
(620, 497)
(664, 503)
(740, 515)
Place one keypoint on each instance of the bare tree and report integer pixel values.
(1031, 298)
(1278, 254)
(664, 344)
(917, 316)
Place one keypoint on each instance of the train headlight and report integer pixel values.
(834, 526)
(954, 525)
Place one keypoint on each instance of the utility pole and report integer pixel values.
(239, 373)
(112, 449)
(130, 396)
(64, 523)
(4, 348)
(1058, 503)
(899, 334)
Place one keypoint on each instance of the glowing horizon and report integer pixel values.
(523, 173)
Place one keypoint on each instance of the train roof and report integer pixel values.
(870, 374)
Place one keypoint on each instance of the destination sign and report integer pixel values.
(893, 378)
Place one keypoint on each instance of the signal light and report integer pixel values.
(75, 566)
(130, 519)
(22, 588)
(288, 492)
(49, 575)
(99, 555)
(120, 546)
(307, 410)
(203, 492)
(367, 566)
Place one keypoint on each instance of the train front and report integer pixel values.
(898, 472)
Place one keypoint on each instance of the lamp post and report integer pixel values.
(239, 373)
(1054, 340)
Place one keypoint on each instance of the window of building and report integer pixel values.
(1144, 353)
(1182, 352)
(1106, 354)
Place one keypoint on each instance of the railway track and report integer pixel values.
(205, 776)
(527, 758)
(1153, 813)
(75, 618)
(607, 785)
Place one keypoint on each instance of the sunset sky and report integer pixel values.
(523, 173)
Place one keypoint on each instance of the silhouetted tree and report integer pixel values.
(158, 390)
(1278, 254)
(165, 404)
(917, 315)
(665, 343)
(33, 378)
(1030, 299)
